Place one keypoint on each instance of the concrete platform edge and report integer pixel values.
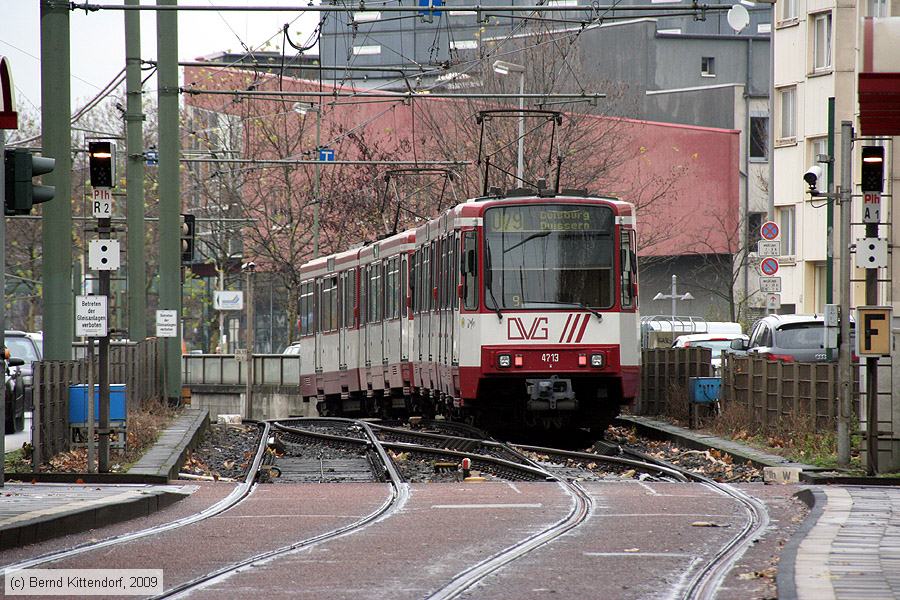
(176, 457)
(785, 580)
(47, 527)
(693, 441)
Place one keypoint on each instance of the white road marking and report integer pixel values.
(513, 486)
(487, 506)
(648, 488)
(649, 554)
(287, 516)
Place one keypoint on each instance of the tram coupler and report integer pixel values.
(550, 394)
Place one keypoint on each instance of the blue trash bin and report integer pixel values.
(78, 406)
(704, 390)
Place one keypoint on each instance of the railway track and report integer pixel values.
(238, 495)
(396, 499)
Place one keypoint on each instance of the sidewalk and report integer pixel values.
(33, 512)
(851, 550)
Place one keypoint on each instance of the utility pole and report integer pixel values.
(249, 268)
(58, 299)
(316, 191)
(829, 217)
(845, 372)
(169, 189)
(103, 229)
(134, 177)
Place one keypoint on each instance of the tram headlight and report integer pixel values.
(596, 360)
(504, 361)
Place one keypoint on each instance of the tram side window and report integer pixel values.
(376, 293)
(445, 273)
(306, 308)
(413, 282)
(469, 269)
(392, 289)
(329, 304)
(349, 297)
(627, 259)
(403, 291)
(426, 278)
(435, 274)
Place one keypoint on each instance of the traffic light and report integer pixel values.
(101, 159)
(21, 193)
(872, 169)
(188, 230)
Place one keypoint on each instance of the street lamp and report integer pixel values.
(501, 67)
(302, 108)
(249, 268)
(674, 296)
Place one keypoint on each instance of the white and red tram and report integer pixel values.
(522, 309)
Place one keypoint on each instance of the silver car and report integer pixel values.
(790, 338)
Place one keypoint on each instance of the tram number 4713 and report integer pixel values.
(550, 358)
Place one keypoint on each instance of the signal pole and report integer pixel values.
(845, 371)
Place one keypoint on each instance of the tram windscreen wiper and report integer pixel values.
(593, 311)
(489, 280)
(526, 240)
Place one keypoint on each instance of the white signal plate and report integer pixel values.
(871, 253)
(103, 255)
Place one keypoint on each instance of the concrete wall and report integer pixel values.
(267, 403)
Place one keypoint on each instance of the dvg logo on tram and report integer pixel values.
(538, 330)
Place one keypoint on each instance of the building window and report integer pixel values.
(754, 224)
(821, 288)
(787, 224)
(366, 50)
(878, 8)
(817, 146)
(788, 101)
(789, 10)
(822, 42)
(759, 137)
(708, 66)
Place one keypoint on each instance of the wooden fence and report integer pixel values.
(666, 370)
(772, 390)
(136, 365)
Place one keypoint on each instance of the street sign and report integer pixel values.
(326, 154)
(103, 255)
(768, 247)
(241, 354)
(228, 300)
(91, 317)
(770, 285)
(166, 323)
(873, 330)
(101, 202)
(871, 207)
(773, 301)
(769, 266)
(871, 253)
(769, 230)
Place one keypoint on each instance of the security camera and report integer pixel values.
(811, 177)
(248, 266)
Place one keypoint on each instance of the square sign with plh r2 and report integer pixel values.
(103, 255)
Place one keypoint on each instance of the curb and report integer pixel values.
(176, 454)
(93, 478)
(785, 582)
(47, 527)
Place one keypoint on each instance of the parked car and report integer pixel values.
(719, 343)
(292, 349)
(30, 348)
(14, 396)
(789, 338)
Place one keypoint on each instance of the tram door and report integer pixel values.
(454, 313)
(364, 318)
(343, 286)
(318, 322)
(404, 306)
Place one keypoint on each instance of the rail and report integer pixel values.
(226, 369)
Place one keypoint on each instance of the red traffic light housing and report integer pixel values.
(102, 164)
(872, 169)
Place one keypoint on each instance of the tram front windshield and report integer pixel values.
(543, 256)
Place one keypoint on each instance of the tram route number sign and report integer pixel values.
(770, 285)
(769, 266)
(769, 230)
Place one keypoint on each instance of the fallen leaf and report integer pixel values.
(705, 524)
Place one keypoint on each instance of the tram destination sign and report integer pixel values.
(540, 219)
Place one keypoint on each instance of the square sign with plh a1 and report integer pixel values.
(103, 255)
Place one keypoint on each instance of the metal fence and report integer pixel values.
(665, 371)
(772, 390)
(137, 365)
(225, 369)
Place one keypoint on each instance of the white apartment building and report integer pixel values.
(818, 54)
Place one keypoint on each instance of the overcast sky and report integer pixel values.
(98, 40)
